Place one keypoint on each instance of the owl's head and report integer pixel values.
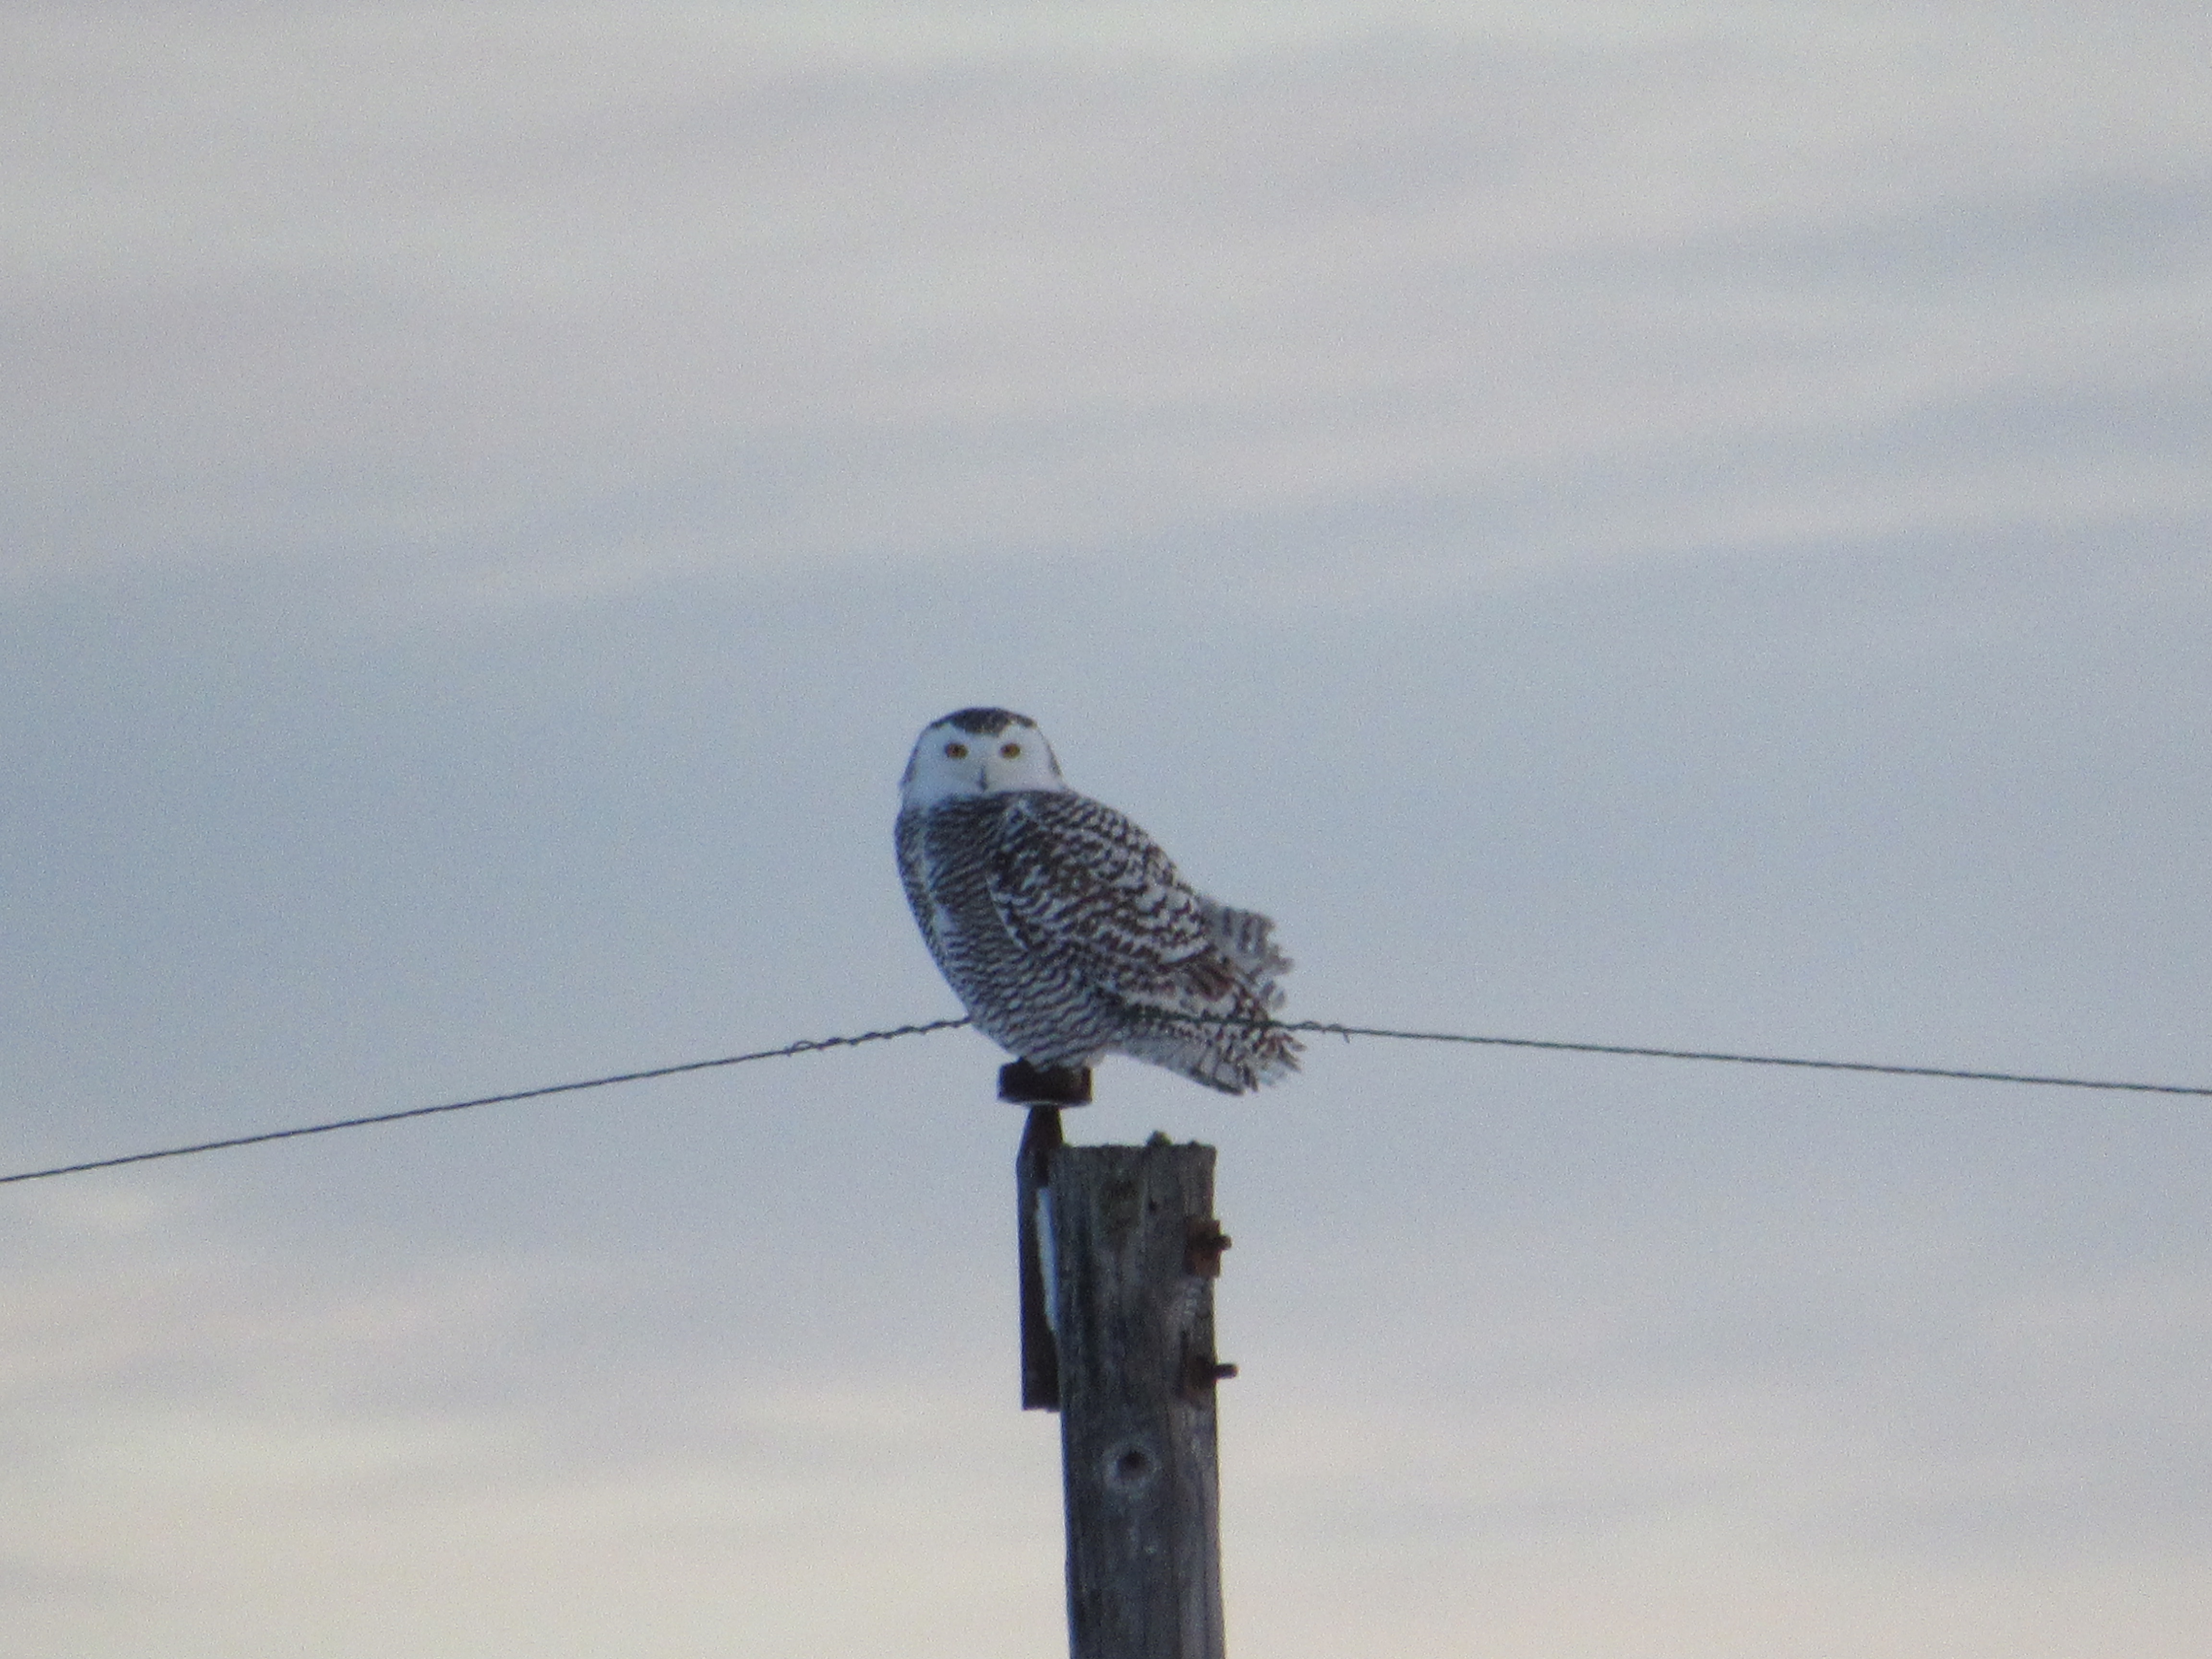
(978, 752)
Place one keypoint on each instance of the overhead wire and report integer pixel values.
(806, 1045)
(1330, 1028)
(1316, 1027)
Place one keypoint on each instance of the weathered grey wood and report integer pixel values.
(1133, 1248)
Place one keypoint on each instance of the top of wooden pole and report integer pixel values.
(1134, 1236)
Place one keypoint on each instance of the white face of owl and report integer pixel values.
(978, 752)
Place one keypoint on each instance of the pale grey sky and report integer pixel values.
(1661, 525)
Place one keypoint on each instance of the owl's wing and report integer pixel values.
(1085, 889)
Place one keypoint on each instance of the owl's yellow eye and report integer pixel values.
(956, 751)
(1010, 750)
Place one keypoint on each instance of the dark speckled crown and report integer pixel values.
(986, 722)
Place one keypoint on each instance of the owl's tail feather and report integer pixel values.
(1233, 1052)
(1244, 936)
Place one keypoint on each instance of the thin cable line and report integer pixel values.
(805, 1046)
(1330, 1028)
(1324, 1028)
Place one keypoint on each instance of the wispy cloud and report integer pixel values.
(691, 289)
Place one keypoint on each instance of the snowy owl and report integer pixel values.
(1063, 926)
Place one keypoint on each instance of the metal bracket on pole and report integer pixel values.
(1044, 1090)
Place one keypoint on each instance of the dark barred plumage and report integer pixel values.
(1068, 934)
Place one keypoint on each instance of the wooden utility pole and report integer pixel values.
(1120, 1249)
